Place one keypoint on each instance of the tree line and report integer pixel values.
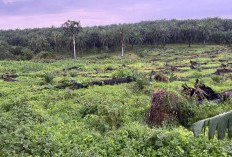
(109, 38)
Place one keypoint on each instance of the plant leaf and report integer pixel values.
(220, 123)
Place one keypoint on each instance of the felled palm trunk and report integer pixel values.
(200, 91)
(99, 83)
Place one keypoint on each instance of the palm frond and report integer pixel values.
(220, 123)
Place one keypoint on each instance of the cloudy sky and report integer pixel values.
(45, 13)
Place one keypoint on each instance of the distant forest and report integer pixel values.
(24, 44)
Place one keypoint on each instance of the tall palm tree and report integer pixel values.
(123, 30)
(135, 37)
(56, 35)
(72, 28)
(105, 37)
(81, 41)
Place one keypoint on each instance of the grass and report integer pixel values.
(101, 120)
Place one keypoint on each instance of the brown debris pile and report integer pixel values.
(226, 95)
(164, 106)
(222, 71)
(174, 69)
(200, 91)
(193, 63)
(161, 77)
(73, 68)
(8, 78)
(224, 65)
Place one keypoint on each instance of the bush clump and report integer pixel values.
(142, 53)
(27, 54)
(143, 84)
(196, 75)
(168, 105)
(161, 77)
(217, 78)
(120, 73)
(45, 55)
(103, 117)
(48, 77)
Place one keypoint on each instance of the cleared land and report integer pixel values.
(39, 119)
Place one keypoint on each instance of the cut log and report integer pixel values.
(76, 85)
(9, 77)
(109, 69)
(222, 71)
(226, 95)
(73, 68)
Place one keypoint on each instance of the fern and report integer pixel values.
(48, 77)
(221, 123)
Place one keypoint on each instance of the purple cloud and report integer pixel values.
(45, 13)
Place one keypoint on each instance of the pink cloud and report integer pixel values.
(86, 17)
(12, 1)
(45, 13)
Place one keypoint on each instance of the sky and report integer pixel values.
(20, 14)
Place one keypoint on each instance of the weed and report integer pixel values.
(48, 77)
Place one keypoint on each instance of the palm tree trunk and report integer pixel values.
(74, 47)
(82, 52)
(107, 48)
(122, 48)
(56, 49)
(189, 43)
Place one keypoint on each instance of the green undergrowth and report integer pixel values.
(37, 119)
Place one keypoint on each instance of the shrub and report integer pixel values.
(180, 142)
(217, 78)
(103, 117)
(6, 55)
(142, 84)
(196, 75)
(142, 53)
(168, 105)
(103, 56)
(45, 55)
(5, 49)
(17, 50)
(66, 82)
(161, 77)
(48, 77)
(120, 73)
(73, 73)
(88, 109)
(27, 54)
